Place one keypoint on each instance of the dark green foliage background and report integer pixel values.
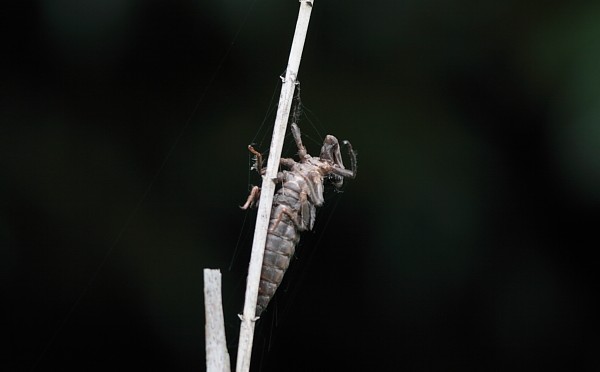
(464, 244)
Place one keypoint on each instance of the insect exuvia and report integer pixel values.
(294, 204)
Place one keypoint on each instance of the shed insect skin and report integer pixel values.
(294, 204)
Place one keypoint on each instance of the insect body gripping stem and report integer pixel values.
(294, 205)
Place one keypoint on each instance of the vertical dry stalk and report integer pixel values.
(268, 188)
(217, 357)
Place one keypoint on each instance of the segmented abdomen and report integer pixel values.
(282, 238)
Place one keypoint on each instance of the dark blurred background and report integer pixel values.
(464, 243)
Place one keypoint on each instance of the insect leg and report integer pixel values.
(258, 164)
(252, 198)
(283, 211)
(298, 139)
(307, 213)
(341, 171)
(352, 155)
